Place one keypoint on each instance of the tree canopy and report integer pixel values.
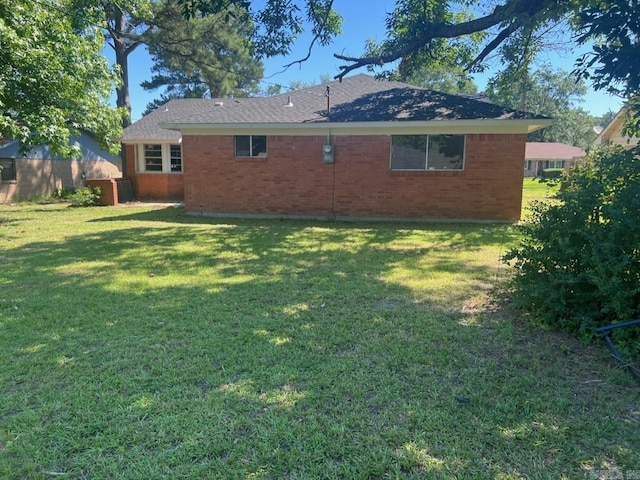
(552, 93)
(416, 28)
(53, 80)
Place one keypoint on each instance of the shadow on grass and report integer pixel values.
(237, 348)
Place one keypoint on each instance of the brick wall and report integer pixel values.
(153, 186)
(293, 180)
(108, 190)
(159, 186)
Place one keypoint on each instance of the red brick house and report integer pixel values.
(359, 148)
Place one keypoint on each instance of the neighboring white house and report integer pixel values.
(612, 134)
(541, 155)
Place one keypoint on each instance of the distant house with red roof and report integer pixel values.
(541, 155)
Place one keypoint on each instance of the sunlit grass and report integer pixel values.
(535, 189)
(140, 343)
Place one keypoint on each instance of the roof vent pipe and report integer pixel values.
(328, 95)
(289, 102)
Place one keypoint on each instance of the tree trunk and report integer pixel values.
(122, 54)
(122, 48)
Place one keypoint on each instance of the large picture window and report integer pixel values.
(160, 158)
(251, 145)
(7, 169)
(427, 152)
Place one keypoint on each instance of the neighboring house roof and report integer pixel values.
(89, 150)
(552, 151)
(359, 99)
(612, 132)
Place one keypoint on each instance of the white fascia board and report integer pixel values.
(615, 120)
(365, 128)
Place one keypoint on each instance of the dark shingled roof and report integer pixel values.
(360, 98)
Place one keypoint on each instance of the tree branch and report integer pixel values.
(300, 61)
(322, 24)
(516, 12)
(501, 37)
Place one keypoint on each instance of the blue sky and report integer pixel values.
(359, 25)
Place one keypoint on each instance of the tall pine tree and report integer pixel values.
(202, 57)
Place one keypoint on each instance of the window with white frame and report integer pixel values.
(427, 152)
(175, 158)
(251, 145)
(7, 169)
(160, 158)
(555, 164)
(153, 158)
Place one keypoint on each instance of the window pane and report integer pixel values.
(446, 152)
(259, 146)
(408, 152)
(243, 146)
(8, 169)
(176, 158)
(153, 158)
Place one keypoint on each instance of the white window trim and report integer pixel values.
(426, 156)
(166, 159)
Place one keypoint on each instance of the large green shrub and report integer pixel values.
(578, 264)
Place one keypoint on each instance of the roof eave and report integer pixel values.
(609, 126)
(346, 128)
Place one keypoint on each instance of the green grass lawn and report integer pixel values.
(534, 189)
(141, 343)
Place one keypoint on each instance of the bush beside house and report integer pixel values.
(578, 265)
